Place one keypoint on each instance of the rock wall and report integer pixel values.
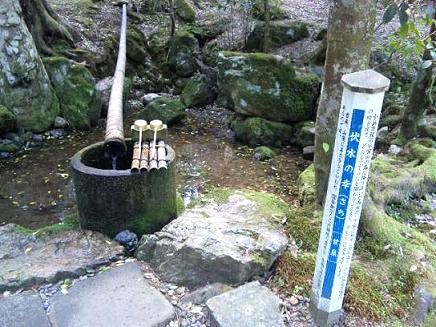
(26, 89)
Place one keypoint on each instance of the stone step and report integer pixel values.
(118, 297)
(250, 305)
(23, 310)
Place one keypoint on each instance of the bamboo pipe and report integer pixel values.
(152, 159)
(136, 158)
(161, 155)
(114, 139)
(144, 157)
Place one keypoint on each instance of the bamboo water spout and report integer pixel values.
(114, 143)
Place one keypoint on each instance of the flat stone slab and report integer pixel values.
(118, 297)
(250, 305)
(28, 259)
(23, 310)
(227, 241)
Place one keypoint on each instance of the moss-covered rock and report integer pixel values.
(259, 131)
(157, 43)
(185, 10)
(306, 185)
(317, 56)
(264, 85)
(25, 88)
(276, 10)
(199, 90)
(263, 153)
(209, 28)
(305, 133)
(170, 111)
(7, 120)
(182, 54)
(136, 45)
(76, 89)
(391, 121)
(210, 53)
(281, 33)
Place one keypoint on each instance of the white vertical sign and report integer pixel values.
(361, 105)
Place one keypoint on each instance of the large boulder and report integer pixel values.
(170, 111)
(76, 89)
(7, 120)
(185, 10)
(136, 45)
(281, 32)
(230, 238)
(209, 28)
(184, 49)
(25, 87)
(255, 131)
(29, 258)
(265, 85)
(199, 90)
(276, 10)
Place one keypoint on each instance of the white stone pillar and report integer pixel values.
(362, 101)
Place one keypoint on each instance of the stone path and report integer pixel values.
(23, 310)
(247, 306)
(29, 259)
(118, 297)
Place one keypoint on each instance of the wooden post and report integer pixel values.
(359, 115)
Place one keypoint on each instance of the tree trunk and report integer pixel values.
(419, 98)
(44, 25)
(266, 37)
(349, 38)
(173, 18)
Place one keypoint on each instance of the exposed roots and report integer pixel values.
(45, 26)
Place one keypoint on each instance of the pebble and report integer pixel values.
(294, 301)
(394, 149)
(4, 155)
(146, 99)
(38, 137)
(60, 122)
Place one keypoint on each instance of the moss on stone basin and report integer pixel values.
(110, 201)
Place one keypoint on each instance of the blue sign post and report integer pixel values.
(362, 101)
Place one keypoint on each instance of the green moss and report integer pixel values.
(255, 131)
(183, 50)
(268, 205)
(7, 120)
(306, 185)
(158, 43)
(70, 222)
(364, 295)
(305, 133)
(294, 274)
(263, 153)
(276, 10)
(170, 111)
(209, 28)
(185, 10)
(75, 87)
(280, 34)
(180, 204)
(199, 90)
(265, 85)
(391, 121)
(430, 319)
(304, 225)
(136, 45)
